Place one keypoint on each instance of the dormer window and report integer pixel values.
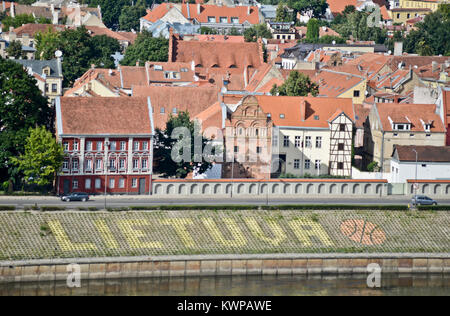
(46, 71)
(427, 127)
(402, 127)
(223, 19)
(211, 19)
(235, 20)
(282, 116)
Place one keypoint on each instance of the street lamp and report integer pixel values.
(415, 184)
(107, 167)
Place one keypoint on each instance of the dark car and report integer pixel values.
(422, 200)
(76, 196)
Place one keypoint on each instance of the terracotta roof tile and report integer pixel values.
(32, 29)
(102, 116)
(191, 99)
(332, 84)
(158, 12)
(361, 113)
(409, 113)
(219, 38)
(424, 153)
(318, 110)
(120, 36)
(216, 11)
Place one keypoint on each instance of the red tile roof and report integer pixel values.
(32, 29)
(361, 113)
(219, 38)
(120, 36)
(301, 30)
(409, 113)
(158, 12)
(244, 13)
(424, 153)
(103, 116)
(318, 111)
(222, 54)
(333, 84)
(191, 99)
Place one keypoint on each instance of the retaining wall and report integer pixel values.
(222, 265)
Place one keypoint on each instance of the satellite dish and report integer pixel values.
(58, 54)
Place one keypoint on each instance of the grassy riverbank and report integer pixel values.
(68, 234)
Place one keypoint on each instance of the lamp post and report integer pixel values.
(415, 183)
(107, 167)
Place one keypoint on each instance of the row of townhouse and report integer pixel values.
(108, 142)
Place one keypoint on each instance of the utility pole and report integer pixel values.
(415, 184)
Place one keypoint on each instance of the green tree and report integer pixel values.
(432, 35)
(297, 84)
(164, 163)
(312, 32)
(129, 17)
(17, 21)
(47, 43)
(234, 32)
(15, 50)
(146, 48)
(21, 106)
(103, 47)
(354, 25)
(257, 31)
(282, 14)
(207, 30)
(42, 158)
(311, 8)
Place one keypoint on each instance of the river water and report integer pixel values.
(240, 286)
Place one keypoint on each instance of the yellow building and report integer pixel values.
(401, 15)
(422, 4)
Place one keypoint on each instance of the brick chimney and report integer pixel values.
(170, 44)
(303, 110)
(12, 12)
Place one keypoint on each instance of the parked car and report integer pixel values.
(76, 196)
(422, 200)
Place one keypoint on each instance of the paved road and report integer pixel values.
(115, 201)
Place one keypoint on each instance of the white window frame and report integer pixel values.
(98, 183)
(87, 184)
(112, 183)
(134, 182)
(123, 145)
(121, 183)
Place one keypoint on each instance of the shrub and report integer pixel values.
(7, 208)
(52, 208)
(433, 207)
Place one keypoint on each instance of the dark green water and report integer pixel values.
(241, 286)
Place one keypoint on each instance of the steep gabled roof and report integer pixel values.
(103, 116)
(287, 111)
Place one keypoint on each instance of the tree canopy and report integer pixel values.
(432, 35)
(146, 48)
(42, 158)
(311, 8)
(21, 106)
(80, 50)
(312, 32)
(297, 84)
(129, 17)
(257, 31)
(165, 145)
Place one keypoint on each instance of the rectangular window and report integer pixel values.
(235, 20)
(258, 150)
(87, 184)
(340, 165)
(341, 146)
(65, 165)
(98, 164)
(162, 110)
(75, 184)
(113, 146)
(99, 146)
(319, 142)
(174, 111)
(296, 163)
(307, 163)
(308, 142)
(298, 141)
(356, 93)
(136, 146)
(121, 183)
(75, 146)
(317, 165)
(54, 87)
(75, 164)
(145, 146)
(134, 183)
(135, 164)
(88, 145)
(123, 145)
(275, 140)
(211, 19)
(112, 183)
(236, 149)
(122, 164)
(341, 127)
(89, 164)
(98, 183)
(223, 19)
(66, 146)
(286, 141)
(144, 163)
(112, 164)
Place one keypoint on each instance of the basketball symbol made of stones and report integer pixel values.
(363, 232)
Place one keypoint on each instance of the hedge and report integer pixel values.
(7, 208)
(433, 207)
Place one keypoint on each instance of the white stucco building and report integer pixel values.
(433, 163)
